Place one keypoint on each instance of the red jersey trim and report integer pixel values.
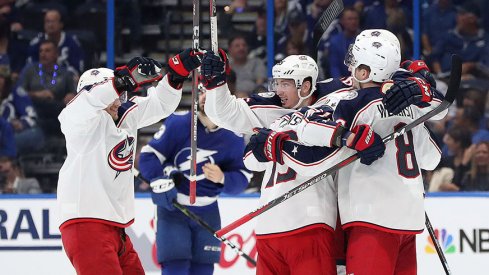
(125, 114)
(381, 228)
(112, 223)
(295, 231)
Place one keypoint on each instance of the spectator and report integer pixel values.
(250, 72)
(258, 36)
(469, 118)
(49, 85)
(452, 168)
(338, 44)
(467, 39)
(70, 52)
(477, 178)
(392, 16)
(298, 35)
(7, 141)
(16, 108)
(14, 179)
(437, 20)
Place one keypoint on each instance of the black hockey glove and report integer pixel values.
(138, 72)
(266, 145)
(214, 69)
(418, 68)
(180, 66)
(404, 93)
(369, 144)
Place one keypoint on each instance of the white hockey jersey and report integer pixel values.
(313, 207)
(96, 182)
(388, 194)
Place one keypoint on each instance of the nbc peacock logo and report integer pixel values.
(446, 242)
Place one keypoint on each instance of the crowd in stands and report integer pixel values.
(42, 56)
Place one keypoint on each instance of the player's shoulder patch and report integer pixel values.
(266, 94)
(268, 98)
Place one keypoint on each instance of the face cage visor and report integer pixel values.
(350, 60)
(274, 84)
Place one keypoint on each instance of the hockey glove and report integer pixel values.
(266, 145)
(369, 144)
(163, 192)
(214, 69)
(404, 93)
(138, 72)
(418, 68)
(180, 66)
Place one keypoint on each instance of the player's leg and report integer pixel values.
(206, 249)
(129, 260)
(173, 242)
(406, 262)
(93, 247)
(201, 269)
(310, 252)
(176, 267)
(371, 252)
(340, 248)
(270, 261)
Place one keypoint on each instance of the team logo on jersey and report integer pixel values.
(95, 72)
(182, 161)
(121, 156)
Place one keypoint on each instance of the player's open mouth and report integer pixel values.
(283, 101)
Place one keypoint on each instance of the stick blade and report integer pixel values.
(329, 14)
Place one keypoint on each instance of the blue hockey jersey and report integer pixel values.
(171, 147)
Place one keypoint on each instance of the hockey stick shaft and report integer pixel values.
(449, 97)
(207, 227)
(437, 245)
(327, 17)
(195, 104)
(213, 21)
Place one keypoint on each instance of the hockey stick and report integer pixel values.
(329, 14)
(437, 245)
(200, 221)
(213, 21)
(447, 101)
(195, 104)
(207, 227)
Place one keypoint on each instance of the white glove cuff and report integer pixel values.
(162, 185)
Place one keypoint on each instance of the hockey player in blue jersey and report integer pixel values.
(183, 246)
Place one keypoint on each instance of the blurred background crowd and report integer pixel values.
(46, 45)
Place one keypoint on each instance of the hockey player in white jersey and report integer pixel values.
(95, 197)
(381, 211)
(296, 237)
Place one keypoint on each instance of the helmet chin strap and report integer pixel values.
(301, 98)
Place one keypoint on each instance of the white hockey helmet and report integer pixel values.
(297, 68)
(378, 50)
(93, 76)
(385, 34)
